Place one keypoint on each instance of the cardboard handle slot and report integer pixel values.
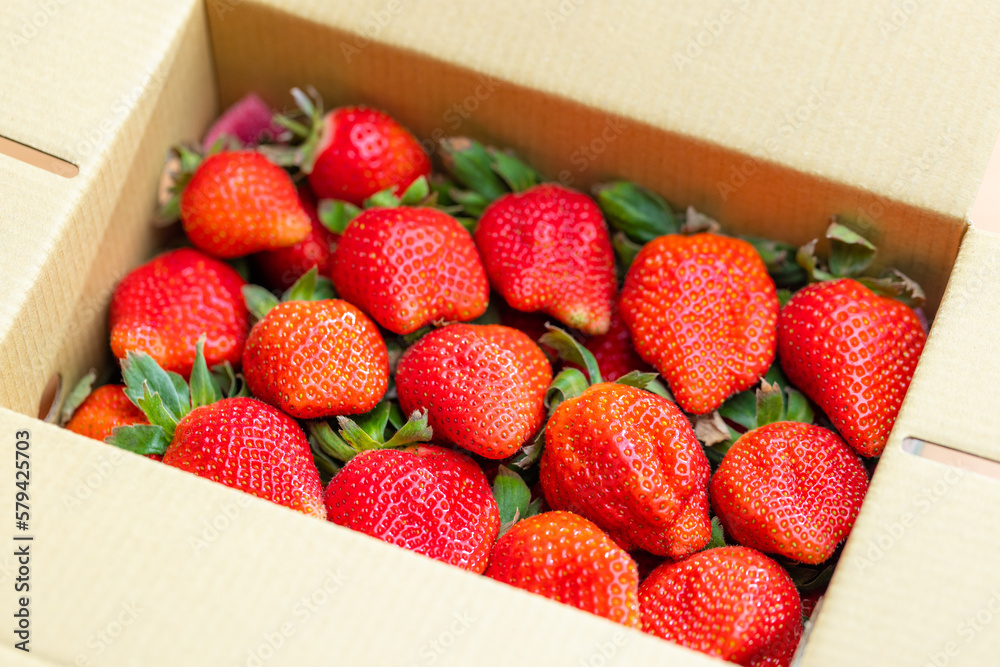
(951, 457)
(37, 158)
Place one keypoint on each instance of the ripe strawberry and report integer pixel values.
(702, 310)
(568, 559)
(249, 121)
(731, 602)
(628, 460)
(163, 306)
(483, 386)
(614, 352)
(316, 358)
(427, 499)
(351, 153)
(238, 202)
(105, 409)
(408, 267)
(853, 353)
(237, 441)
(279, 269)
(789, 489)
(547, 249)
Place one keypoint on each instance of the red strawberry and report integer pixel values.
(482, 386)
(730, 602)
(789, 489)
(547, 249)
(248, 445)
(237, 441)
(614, 352)
(427, 499)
(702, 310)
(853, 353)
(163, 306)
(568, 559)
(316, 358)
(408, 267)
(238, 202)
(105, 409)
(279, 269)
(361, 151)
(628, 460)
(248, 121)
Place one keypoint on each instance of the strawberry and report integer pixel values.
(315, 358)
(789, 489)
(424, 498)
(105, 409)
(628, 460)
(162, 307)
(702, 310)
(854, 353)
(731, 602)
(237, 441)
(547, 249)
(614, 352)
(351, 153)
(279, 269)
(249, 121)
(239, 202)
(568, 559)
(482, 385)
(410, 266)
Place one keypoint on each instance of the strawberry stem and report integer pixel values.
(639, 213)
(569, 349)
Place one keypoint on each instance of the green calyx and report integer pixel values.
(336, 215)
(774, 400)
(76, 396)
(310, 287)
(483, 173)
(638, 213)
(851, 255)
(304, 127)
(513, 498)
(384, 427)
(166, 398)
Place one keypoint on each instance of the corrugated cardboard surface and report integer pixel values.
(183, 571)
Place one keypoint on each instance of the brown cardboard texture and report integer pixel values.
(767, 118)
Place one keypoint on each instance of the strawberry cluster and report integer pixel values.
(394, 368)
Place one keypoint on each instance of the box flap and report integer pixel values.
(87, 100)
(121, 569)
(896, 98)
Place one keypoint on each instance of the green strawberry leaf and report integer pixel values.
(330, 443)
(259, 301)
(415, 430)
(798, 408)
(472, 203)
(775, 375)
(779, 258)
(396, 416)
(336, 215)
(205, 389)
(806, 258)
(896, 285)
(534, 508)
(808, 577)
(770, 404)
(141, 373)
(569, 383)
(741, 409)
(718, 538)
(516, 174)
(784, 295)
(303, 288)
(569, 349)
(152, 406)
(654, 386)
(77, 395)
(375, 420)
(639, 213)
(491, 316)
(383, 199)
(850, 253)
(229, 381)
(140, 438)
(625, 250)
(469, 163)
(636, 379)
(468, 223)
(530, 453)
(326, 465)
(512, 496)
(417, 193)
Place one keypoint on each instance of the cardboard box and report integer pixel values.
(768, 118)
